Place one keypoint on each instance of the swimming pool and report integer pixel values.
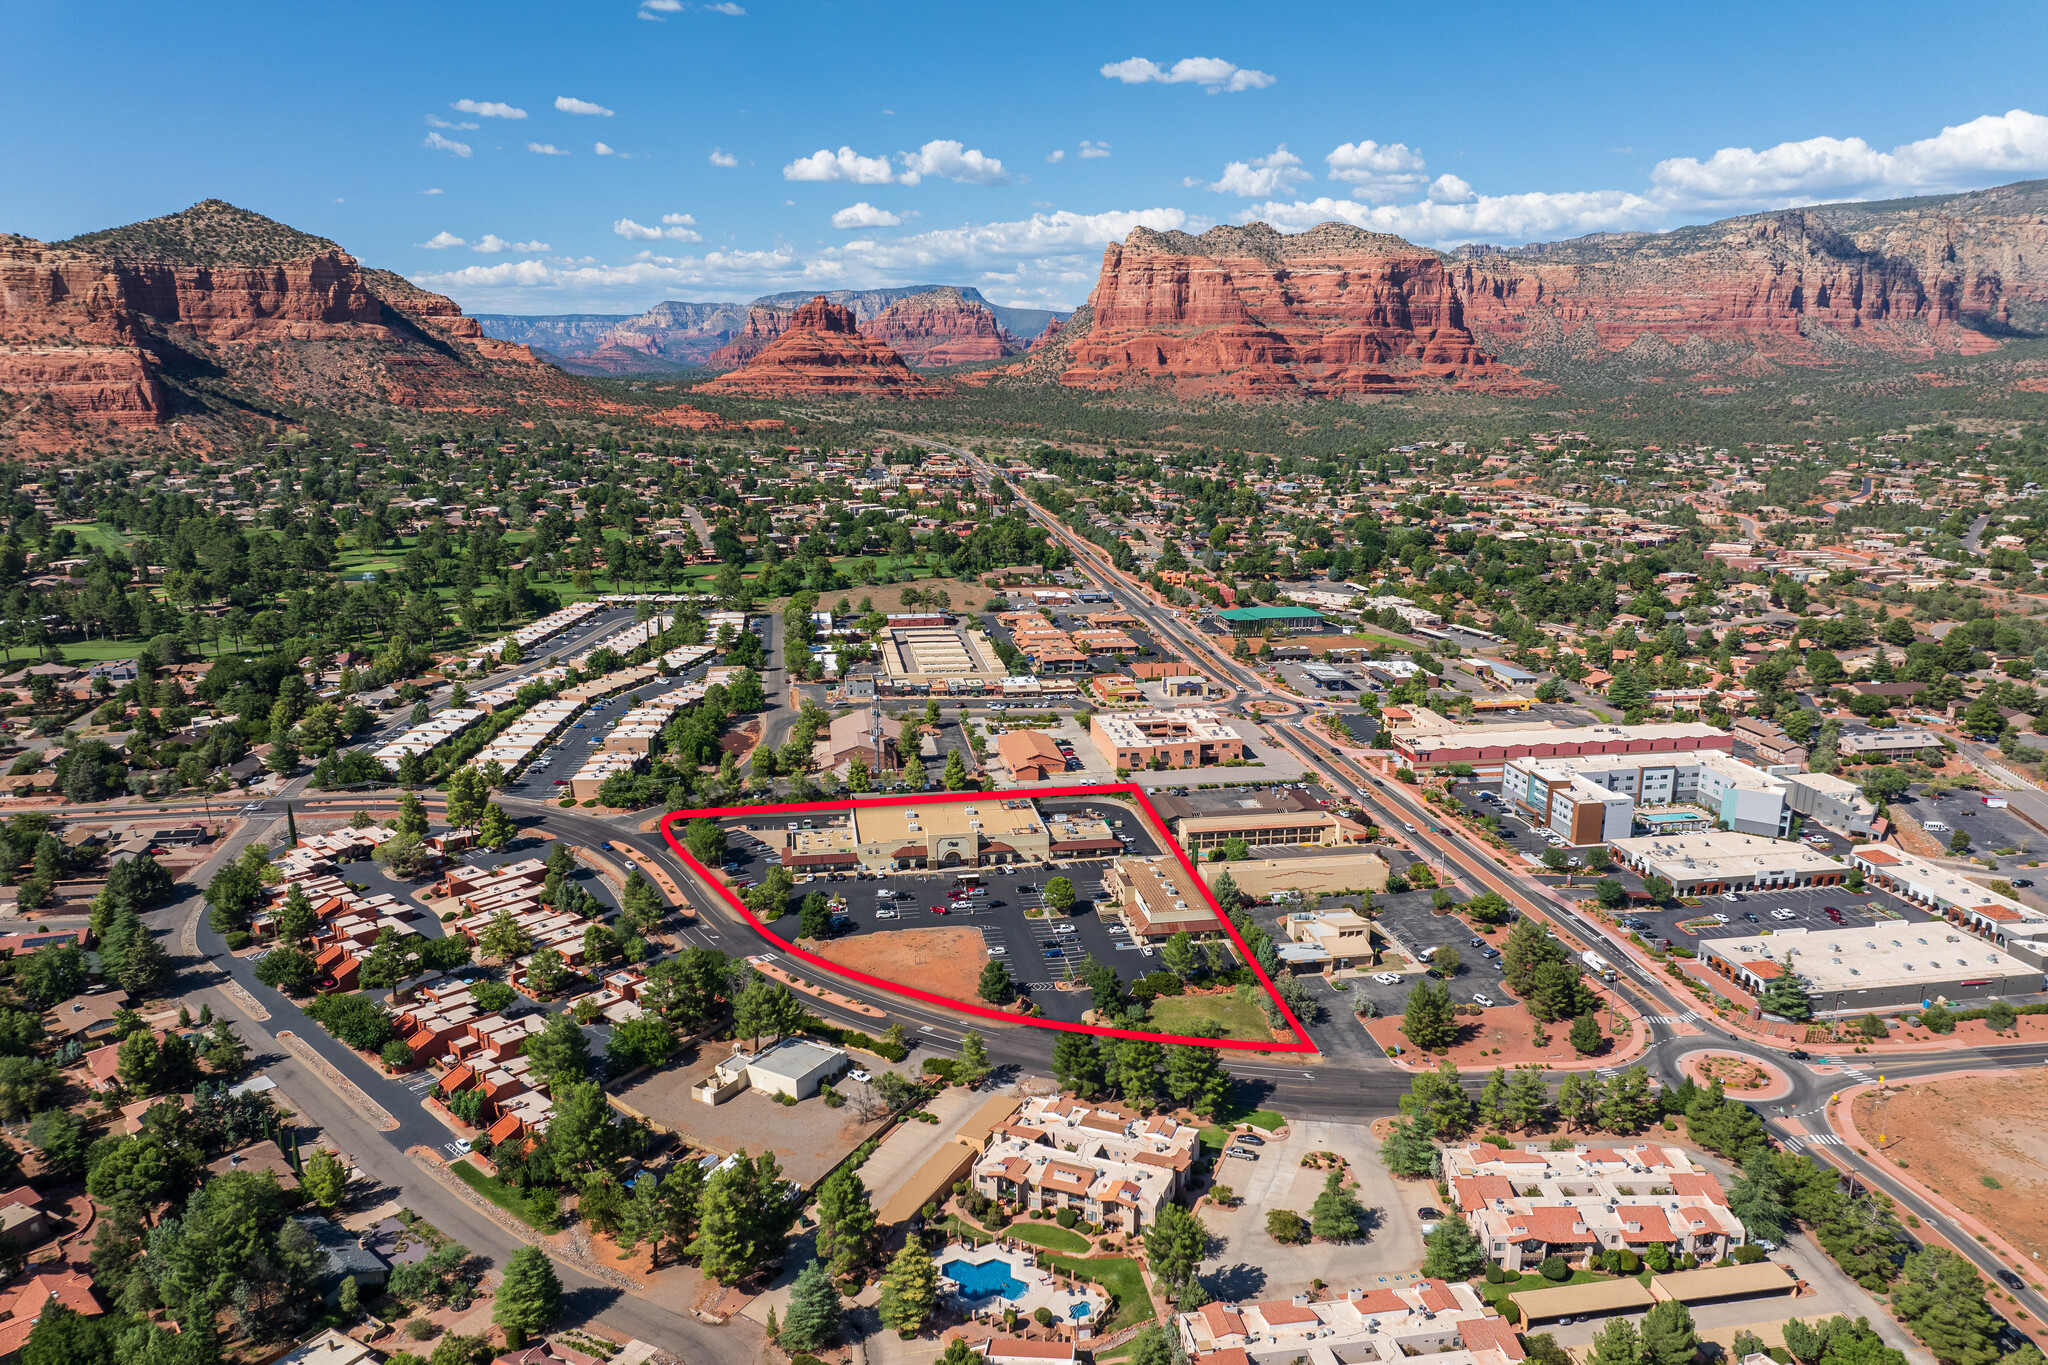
(983, 1280)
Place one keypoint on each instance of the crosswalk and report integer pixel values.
(459, 1148)
(1814, 1140)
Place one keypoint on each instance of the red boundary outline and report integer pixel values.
(1302, 1043)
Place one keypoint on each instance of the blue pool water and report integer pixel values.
(1080, 1312)
(983, 1280)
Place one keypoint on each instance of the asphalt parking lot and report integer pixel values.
(1990, 828)
(1859, 910)
(1410, 920)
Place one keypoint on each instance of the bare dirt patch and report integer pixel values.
(945, 961)
(1952, 1134)
(1505, 1035)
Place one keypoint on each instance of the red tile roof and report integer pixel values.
(1436, 1296)
(1491, 1334)
(1222, 1321)
(1473, 1190)
(1655, 1227)
(1553, 1226)
(1700, 1184)
(1279, 1312)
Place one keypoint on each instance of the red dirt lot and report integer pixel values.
(1952, 1134)
(945, 961)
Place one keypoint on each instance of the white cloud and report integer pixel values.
(1273, 173)
(950, 161)
(865, 215)
(488, 109)
(446, 144)
(569, 104)
(676, 228)
(1057, 156)
(845, 165)
(1450, 189)
(1377, 172)
(665, 6)
(1213, 74)
(441, 241)
(430, 191)
(1091, 151)
(1795, 172)
(1484, 218)
(545, 149)
(436, 121)
(725, 7)
(721, 157)
(602, 149)
(490, 244)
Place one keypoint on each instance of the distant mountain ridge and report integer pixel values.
(676, 335)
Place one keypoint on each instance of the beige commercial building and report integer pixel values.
(1261, 829)
(950, 834)
(1186, 738)
(1715, 861)
(1326, 874)
(1159, 899)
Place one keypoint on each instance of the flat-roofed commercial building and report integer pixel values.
(1834, 801)
(1262, 829)
(1252, 620)
(1886, 966)
(949, 834)
(1488, 747)
(2002, 921)
(1891, 743)
(1159, 899)
(1715, 861)
(939, 658)
(1185, 738)
(1592, 798)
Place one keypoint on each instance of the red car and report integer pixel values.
(938, 909)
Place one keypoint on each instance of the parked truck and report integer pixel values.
(1597, 965)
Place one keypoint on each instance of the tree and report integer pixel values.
(52, 974)
(1445, 962)
(1437, 1100)
(1616, 1344)
(503, 939)
(61, 1138)
(646, 1041)
(743, 1218)
(766, 1007)
(1336, 1215)
(1885, 785)
(495, 828)
(1427, 1019)
(995, 985)
(1668, 1337)
(815, 918)
(1175, 1245)
(910, 1290)
(1077, 1064)
(146, 972)
(1610, 894)
(1757, 1196)
(560, 1052)
(705, 839)
(1195, 1078)
(288, 968)
(1578, 1098)
(296, 919)
(1178, 953)
(1453, 1251)
(1629, 1104)
(955, 776)
(811, 1321)
(1527, 949)
(1408, 1150)
(530, 1296)
(1059, 894)
(1785, 996)
(1941, 1297)
(226, 1053)
(1586, 1037)
(847, 1230)
(326, 1179)
(466, 797)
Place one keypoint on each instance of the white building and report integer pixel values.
(1528, 1205)
(1710, 863)
(1384, 1325)
(1108, 1164)
(1401, 607)
(1592, 798)
(1886, 966)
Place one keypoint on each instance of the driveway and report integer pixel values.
(1247, 1264)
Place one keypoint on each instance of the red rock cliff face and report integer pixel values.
(91, 329)
(1251, 312)
(764, 324)
(1773, 286)
(821, 351)
(942, 328)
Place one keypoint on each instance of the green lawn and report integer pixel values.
(87, 652)
(93, 535)
(1121, 1277)
(1493, 1293)
(505, 1196)
(1051, 1236)
(1237, 1018)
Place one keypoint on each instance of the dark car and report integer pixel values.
(1752, 917)
(2021, 881)
(1252, 1138)
(1799, 1054)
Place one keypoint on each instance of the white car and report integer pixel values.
(862, 1076)
(1722, 918)
(885, 894)
(1781, 914)
(998, 951)
(1731, 897)
(886, 913)
(1479, 999)
(1387, 978)
(1064, 929)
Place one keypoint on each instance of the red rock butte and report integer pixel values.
(940, 327)
(821, 352)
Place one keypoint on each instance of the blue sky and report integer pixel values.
(605, 155)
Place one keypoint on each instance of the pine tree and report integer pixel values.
(811, 1322)
(1667, 1335)
(1527, 1097)
(291, 827)
(1134, 1069)
(1077, 1064)
(325, 1181)
(1453, 1251)
(1493, 1096)
(1616, 1344)
(495, 830)
(910, 1289)
(1757, 1196)
(846, 1222)
(1585, 1035)
(1408, 1150)
(1195, 1078)
(1175, 1244)
(1578, 1098)
(531, 1295)
(1427, 1020)
(1629, 1104)
(1335, 1216)
(1785, 996)
(995, 985)
(972, 1066)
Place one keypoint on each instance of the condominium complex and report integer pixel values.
(1526, 1206)
(1385, 1325)
(1107, 1163)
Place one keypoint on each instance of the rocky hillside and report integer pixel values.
(1251, 312)
(216, 317)
(722, 336)
(821, 352)
(942, 327)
